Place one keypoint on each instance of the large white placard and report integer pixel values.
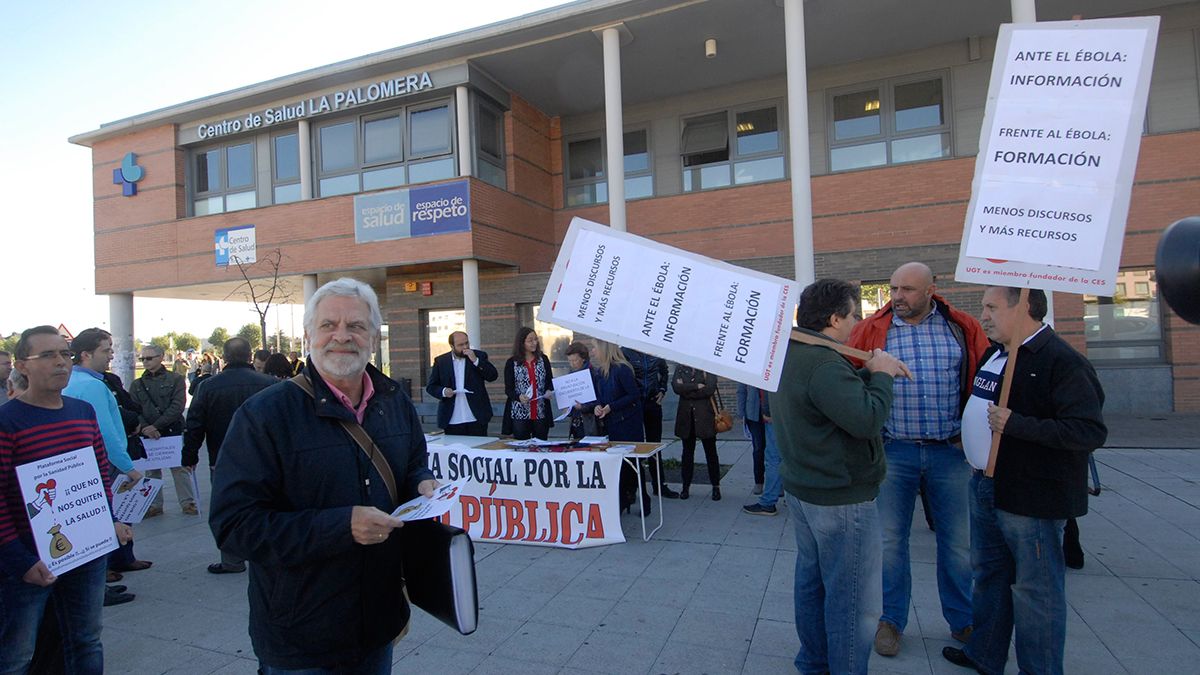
(574, 388)
(67, 509)
(161, 453)
(1058, 149)
(671, 303)
(564, 499)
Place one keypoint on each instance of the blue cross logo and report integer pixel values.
(128, 175)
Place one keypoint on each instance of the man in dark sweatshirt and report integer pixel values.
(828, 416)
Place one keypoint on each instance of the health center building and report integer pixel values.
(802, 139)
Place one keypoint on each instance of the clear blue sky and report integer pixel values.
(71, 66)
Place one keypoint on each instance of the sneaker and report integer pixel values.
(962, 635)
(757, 509)
(190, 510)
(757, 489)
(153, 511)
(887, 639)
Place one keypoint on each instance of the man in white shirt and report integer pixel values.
(457, 380)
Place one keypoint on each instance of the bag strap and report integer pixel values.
(362, 438)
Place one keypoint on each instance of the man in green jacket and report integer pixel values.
(828, 416)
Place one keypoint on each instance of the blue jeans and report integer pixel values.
(1019, 580)
(378, 662)
(943, 469)
(837, 589)
(78, 595)
(772, 481)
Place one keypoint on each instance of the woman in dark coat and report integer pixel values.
(527, 380)
(583, 414)
(619, 405)
(696, 419)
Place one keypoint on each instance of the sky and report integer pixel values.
(71, 66)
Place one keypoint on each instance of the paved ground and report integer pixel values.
(711, 593)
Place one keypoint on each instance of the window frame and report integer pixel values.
(735, 157)
(602, 179)
(1160, 320)
(276, 183)
(224, 191)
(497, 162)
(887, 119)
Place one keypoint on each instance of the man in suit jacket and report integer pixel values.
(457, 381)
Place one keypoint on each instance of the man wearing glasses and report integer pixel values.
(161, 393)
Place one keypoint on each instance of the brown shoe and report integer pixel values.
(962, 635)
(887, 639)
(191, 510)
(153, 511)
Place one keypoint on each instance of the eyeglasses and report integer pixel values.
(144, 359)
(65, 354)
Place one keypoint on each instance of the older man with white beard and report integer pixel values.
(309, 507)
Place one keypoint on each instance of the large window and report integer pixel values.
(382, 150)
(223, 179)
(555, 339)
(1127, 327)
(489, 145)
(890, 122)
(587, 182)
(732, 148)
(285, 172)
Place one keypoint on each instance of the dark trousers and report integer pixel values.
(652, 423)
(524, 429)
(758, 445)
(123, 555)
(467, 429)
(710, 457)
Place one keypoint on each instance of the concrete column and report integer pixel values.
(614, 127)
(310, 286)
(798, 154)
(304, 140)
(470, 274)
(120, 321)
(462, 112)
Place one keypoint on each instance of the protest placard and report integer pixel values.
(574, 388)
(1058, 149)
(444, 497)
(165, 452)
(67, 509)
(564, 499)
(681, 306)
(131, 500)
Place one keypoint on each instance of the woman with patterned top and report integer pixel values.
(527, 382)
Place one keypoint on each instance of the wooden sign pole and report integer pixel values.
(1014, 343)
(844, 350)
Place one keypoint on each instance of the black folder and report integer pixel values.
(439, 572)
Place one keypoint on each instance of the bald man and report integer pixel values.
(923, 444)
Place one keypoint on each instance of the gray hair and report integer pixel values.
(345, 287)
(17, 381)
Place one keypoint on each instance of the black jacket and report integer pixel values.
(213, 406)
(650, 373)
(474, 377)
(288, 479)
(1056, 402)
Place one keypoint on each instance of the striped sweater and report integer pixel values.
(29, 433)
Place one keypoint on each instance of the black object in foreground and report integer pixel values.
(439, 572)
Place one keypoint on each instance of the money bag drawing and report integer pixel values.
(59, 544)
(46, 493)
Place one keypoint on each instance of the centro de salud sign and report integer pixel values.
(413, 212)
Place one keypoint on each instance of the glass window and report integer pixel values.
(491, 132)
(555, 339)
(430, 131)
(222, 176)
(638, 187)
(493, 174)
(337, 147)
(339, 185)
(287, 157)
(757, 152)
(285, 194)
(392, 176)
(637, 155)
(1125, 328)
(892, 123)
(208, 171)
(489, 145)
(757, 131)
(587, 167)
(585, 159)
(438, 169)
(438, 327)
(705, 140)
(381, 140)
(240, 165)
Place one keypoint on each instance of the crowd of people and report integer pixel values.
(308, 459)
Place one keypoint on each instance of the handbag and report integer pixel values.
(722, 420)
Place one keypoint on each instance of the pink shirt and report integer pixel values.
(368, 392)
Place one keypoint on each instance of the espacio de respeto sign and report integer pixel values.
(319, 105)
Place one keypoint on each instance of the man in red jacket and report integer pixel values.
(923, 444)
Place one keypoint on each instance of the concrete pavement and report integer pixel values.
(711, 593)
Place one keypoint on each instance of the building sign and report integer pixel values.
(128, 174)
(1059, 146)
(413, 212)
(335, 101)
(236, 245)
(677, 305)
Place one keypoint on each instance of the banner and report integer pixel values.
(1058, 149)
(564, 499)
(67, 509)
(670, 303)
(165, 452)
(413, 212)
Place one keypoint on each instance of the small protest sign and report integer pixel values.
(574, 388)
(132, 499)
(161, 453)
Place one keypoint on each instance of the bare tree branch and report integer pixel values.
(262, 292)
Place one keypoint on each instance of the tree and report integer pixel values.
(218, 337)
(264, 291)
(163, 342)
(9, 344)
(186, 341)
(251, 333)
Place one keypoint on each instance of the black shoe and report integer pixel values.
(111, 598)
(222, 568)
(667, 492)
(683, 494)
(716, 496)
(116, 588)
(959, 658)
